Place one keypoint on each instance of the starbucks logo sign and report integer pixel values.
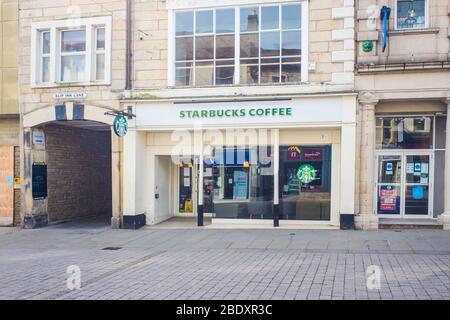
(120, 125)
(306, 173)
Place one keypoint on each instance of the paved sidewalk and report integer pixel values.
(222, 264)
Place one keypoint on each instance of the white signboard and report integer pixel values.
(38, 137)
(237, 114)
(69, 95)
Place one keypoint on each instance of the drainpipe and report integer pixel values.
(128, 48)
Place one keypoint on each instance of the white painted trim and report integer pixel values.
(55, 28)
(305, 41)
(196, 4)
(171, 49)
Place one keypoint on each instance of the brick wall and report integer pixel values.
(79, 172)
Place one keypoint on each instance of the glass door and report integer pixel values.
(417, 185)
(389, 185)
(403, 185)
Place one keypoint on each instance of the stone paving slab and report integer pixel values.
(223, 264)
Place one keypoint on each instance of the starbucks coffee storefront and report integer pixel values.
(272, 162)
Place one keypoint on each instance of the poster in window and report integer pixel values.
(240, 186)
(388, 199)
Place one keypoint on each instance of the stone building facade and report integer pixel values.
(71, 76)
(9, 113)
(282, 86)
(403, 80)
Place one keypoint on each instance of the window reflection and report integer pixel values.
(404, 132)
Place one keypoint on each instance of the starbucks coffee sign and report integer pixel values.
(236, 113)
(160, 115)
(120, 125)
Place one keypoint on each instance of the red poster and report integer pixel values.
(388, 199)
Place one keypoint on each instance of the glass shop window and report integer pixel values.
(411, 14)
(305, 182)
(238, 183)
(404, 132)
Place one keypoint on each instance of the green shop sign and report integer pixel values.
(306, 173)
(235, 113)
(120, 125)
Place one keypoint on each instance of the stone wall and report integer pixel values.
(9, 25)
(79, 172)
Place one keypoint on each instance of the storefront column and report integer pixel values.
(115, 184)
(200, 211)
(367, 218)
(276, 172)
(444, 219)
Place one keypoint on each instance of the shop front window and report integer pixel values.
(305, 182)
(238, 183)
(404, 132)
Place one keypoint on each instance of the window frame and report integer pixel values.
(56, 27)
(427, 17)
(304, 30)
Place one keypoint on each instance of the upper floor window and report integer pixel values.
(411, 14)
(69, 53)
(243, 45)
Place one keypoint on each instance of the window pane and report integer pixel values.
(249, 45)
(100, 38)
(406, 133)
(204, 75)
(46, 42)
(270, 44)
(204, 48)
(291, 17)
(73, 41)
(72, 68)
(291, 73)
(291, 43)
(45, 69)
(411, 14)
(224, 75)
(100, 67)
(184, 49)
(225, 21)
(225, 47)
(270, 73)
(183, 76)
(204, 21)
(249, 71)
(270, 18)
(249, 19)
(184, 23)
(305, 182)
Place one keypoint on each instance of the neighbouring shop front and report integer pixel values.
(242, 161)
(410, 157)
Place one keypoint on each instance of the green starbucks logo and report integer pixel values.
(306, 173)
(120, 125)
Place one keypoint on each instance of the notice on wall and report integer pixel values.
(410, 168)
(388, 199)
(38, 137)
(186, 172)
(187, 182)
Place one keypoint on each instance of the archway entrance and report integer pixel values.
(71, 168)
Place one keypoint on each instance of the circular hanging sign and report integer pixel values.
(120, 125)
(306, 173)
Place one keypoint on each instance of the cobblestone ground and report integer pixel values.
(223, 264)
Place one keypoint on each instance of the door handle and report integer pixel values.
(156, 195)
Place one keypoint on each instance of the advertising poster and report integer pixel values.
(388, 199)
(240, 186)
